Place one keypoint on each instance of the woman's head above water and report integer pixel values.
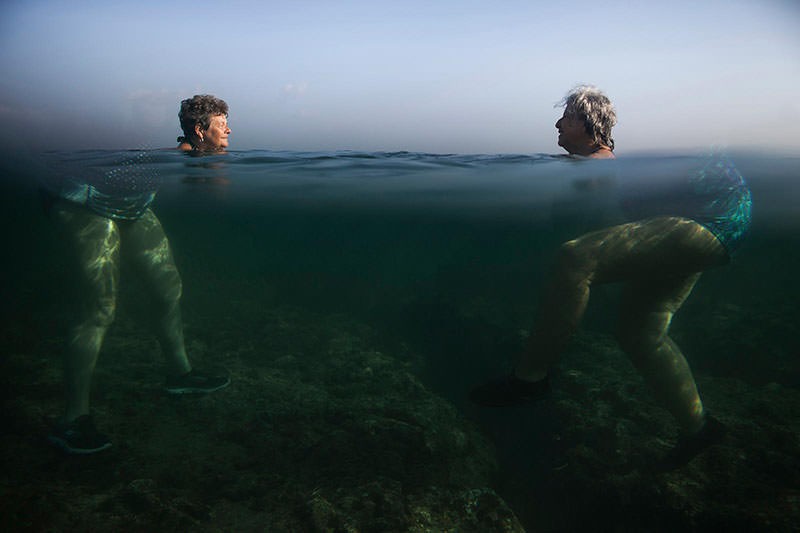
(585, 127)
(204, 121)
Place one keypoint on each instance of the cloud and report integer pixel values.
(152, 108)
(294, 90)
(154, 97)
(23, 114)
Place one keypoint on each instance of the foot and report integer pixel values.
(79, 437)
(194, 382)
(691, 445)
(510, 390)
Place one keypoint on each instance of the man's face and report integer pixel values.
(572, 134)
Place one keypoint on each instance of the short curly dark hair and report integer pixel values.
(198, 110)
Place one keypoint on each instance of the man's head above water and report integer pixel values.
(585, 127)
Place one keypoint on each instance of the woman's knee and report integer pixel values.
(174, 290)
(101, 311)
(167, 289)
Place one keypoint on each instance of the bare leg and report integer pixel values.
(647, 310)
(150, 253)
(645, 251)
(95, 240)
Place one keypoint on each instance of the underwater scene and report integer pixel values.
(354, 300)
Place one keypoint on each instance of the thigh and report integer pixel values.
(647, 309)
(663, 248)
(663, 295)
(147, 248)
(95, 243)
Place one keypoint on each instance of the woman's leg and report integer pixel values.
(149, 251)
(96, 241)
(654, 249)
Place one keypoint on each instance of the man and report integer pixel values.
(659, 259)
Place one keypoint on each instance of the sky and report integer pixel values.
(432, 76)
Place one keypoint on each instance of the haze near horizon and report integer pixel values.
(439, 77)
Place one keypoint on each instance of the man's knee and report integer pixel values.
(573, 255)
(642, 330)
(575, 264)
(641, 339)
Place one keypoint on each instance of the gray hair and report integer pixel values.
(588, 103)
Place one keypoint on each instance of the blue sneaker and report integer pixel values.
(79, 437)
(194, 382)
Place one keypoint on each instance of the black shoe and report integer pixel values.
(509, 390)
(194, 382)
(691, 445)
(79, 436)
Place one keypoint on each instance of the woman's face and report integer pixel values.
(572, 134)
(216, 136)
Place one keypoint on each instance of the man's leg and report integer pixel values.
(657, 248)
(652, 249)
(645, 316)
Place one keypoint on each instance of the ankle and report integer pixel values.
(695, 426)
(180, 373)
(71, 417)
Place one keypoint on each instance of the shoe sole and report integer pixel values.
(64, 446)
(195, 390)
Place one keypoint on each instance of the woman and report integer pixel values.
(108, 218)
(659, 258)
(204, 121)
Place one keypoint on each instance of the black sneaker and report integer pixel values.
(510, 390)
(79, 437)
(194, 382)
(691, 445)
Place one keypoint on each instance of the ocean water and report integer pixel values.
(440, 256)
(366, 233)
